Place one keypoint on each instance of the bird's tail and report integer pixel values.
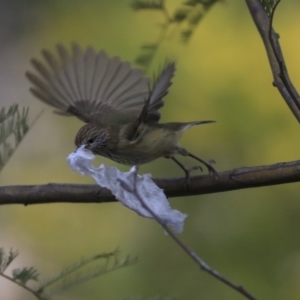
(181, 127)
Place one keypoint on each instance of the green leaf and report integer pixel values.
(6, 259)
(25, 274)
(13, 127)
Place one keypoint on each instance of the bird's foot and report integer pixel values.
(208, 165)
(196, 168)
(211, 169)
(187, 178)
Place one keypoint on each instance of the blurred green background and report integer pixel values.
(251, 236)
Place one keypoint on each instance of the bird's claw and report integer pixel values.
(195, 168)
(210, 169)
(211, 162)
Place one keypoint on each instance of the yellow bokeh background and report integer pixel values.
(251, 236)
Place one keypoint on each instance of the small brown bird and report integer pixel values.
(116, 100)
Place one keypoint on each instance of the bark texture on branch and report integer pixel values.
(241, 178)
(278, 67)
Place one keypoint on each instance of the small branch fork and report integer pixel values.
(202, 264)
(264, 24)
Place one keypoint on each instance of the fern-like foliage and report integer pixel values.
(69, 277)
(188, 16)
(25, 274)
(19, 275)
(13, 128)
(7, 258)
(72, 268)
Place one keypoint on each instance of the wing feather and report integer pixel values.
(95, 87)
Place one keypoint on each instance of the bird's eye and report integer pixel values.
(91, 140)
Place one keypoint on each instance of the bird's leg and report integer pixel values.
(210, 168)
(186, 171)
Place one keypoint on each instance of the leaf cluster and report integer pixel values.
(186, 18)
(13, 128)
(67, 278)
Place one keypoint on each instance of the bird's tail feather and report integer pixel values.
(181, 127)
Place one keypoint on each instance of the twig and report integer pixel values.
(241, 178)
(160, 38)
(203, 265)
(275, 56)
(37, 295)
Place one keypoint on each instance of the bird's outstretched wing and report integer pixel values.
(95, 87)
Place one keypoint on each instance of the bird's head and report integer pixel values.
(94, 137)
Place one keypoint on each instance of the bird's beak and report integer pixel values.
(80, 147)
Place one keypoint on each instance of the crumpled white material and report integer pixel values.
(129, 188)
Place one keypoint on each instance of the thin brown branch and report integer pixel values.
(199, 261)
(241, 178)
(37, 295)
(271, 42)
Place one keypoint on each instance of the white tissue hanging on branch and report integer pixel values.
(128, 188)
